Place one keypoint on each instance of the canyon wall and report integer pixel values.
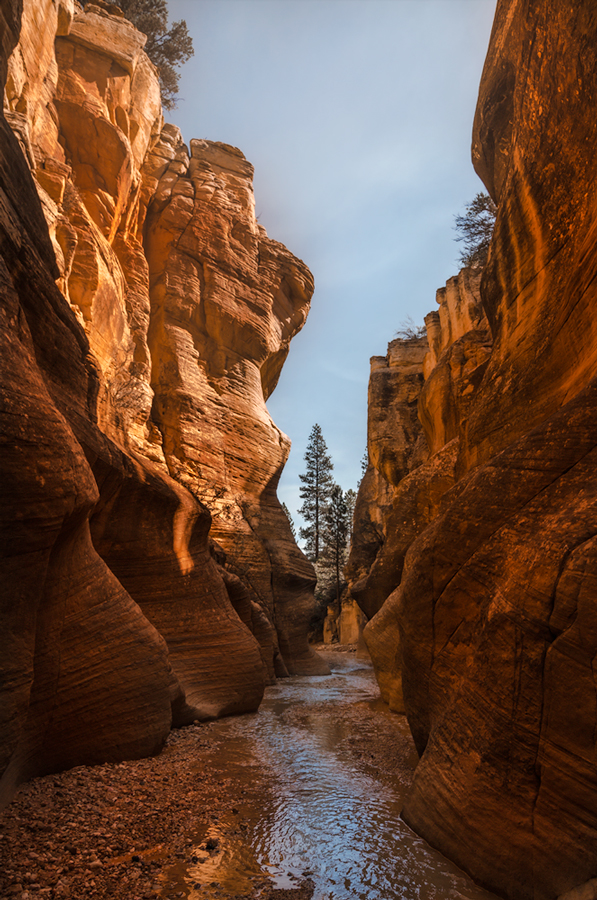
(489, 638)
(145, 319)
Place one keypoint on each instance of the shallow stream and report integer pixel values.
(310, 810)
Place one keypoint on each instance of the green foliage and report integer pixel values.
(350, 498)
(364, 466)
(167, 48)
(315, 492)
(290, 522)
(329, 514)
(335, 532)
(475, 228)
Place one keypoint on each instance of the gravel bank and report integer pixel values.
(118, 831)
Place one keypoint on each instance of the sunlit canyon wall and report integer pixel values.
(145, 319)
(475, 554)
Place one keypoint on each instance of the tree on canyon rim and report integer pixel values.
(315, 491)
(290, 520)
(167, 48)
(475, 228)
(409, 331)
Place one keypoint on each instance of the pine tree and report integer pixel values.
(475, 228)
(335, 534)
(315, 491)
(290, 522)
(167, 48)
(350, 498)
(364, 466)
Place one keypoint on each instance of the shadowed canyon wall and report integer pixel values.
(145, 319)
(488, 633)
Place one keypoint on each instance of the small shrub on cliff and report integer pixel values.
(475, 228)
(167, 48)
(408, 331)
(290, 520)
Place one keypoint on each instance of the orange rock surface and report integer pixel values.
(417, 394)
(396, 446)
(138, 352)
(491, 636)
(225, 302)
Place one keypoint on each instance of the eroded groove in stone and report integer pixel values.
(488, 636)
(146, 317)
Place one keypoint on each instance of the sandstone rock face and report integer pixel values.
(344, 622)
(225, 302)
(403, 487)
(86, 677)
(493, 624)
(396, 445)
(120, 616)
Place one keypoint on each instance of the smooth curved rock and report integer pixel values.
(492, 631)
(117, 618)
(154, 537)
(226, 300)
(86, 677)
(587, 891)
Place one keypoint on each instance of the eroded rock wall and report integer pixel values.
(86, 677)
(492, 628)
(133, 398)
(225, 302)
(416, 394)
(395, 446)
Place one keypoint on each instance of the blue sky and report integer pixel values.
(357, 116)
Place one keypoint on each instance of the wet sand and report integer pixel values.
(131, 830)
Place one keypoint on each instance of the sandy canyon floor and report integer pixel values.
(138, 830)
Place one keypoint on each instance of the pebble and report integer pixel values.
(84, 839)
(80, 836)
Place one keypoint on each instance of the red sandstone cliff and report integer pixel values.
(490, 637)
(145, 319)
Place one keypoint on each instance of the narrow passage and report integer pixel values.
(319, 774)
(299, 801)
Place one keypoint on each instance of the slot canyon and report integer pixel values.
(168, 727)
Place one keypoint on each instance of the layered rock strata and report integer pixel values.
(416, 394)
(225, 302)
(146, 316)
(492, 628)
(396, 446)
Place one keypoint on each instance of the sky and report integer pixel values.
(357, 115)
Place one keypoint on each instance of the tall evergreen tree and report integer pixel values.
(364, 466)
(315, 491)
(167, 48)
(350, 498)
(335, 533)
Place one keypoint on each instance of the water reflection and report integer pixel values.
(323, 816)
